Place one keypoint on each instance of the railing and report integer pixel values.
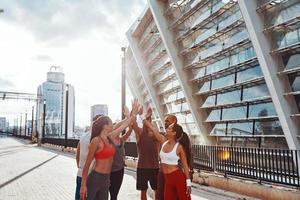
(269, 165)
(264, 165)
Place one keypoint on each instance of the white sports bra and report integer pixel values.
(170, 158)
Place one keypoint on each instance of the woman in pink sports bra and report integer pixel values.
(177, 182)
(96, 184)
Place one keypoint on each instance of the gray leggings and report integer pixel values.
(97, 186)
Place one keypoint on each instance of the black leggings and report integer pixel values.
(97, 186)
(116, 179)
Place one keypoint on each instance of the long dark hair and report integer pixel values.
(98, 125)
(184, 140)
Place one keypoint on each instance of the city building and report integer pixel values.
(228, 69)
(98, 109)
(3, 124)
(58, 99)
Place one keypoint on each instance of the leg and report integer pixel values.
(181, 186)
(78, 185)
(142, 182)
(144, 195)
(116, 179)
(170, 191)
(153, 175)
(92, 186)
(160, 186)
(102, 194)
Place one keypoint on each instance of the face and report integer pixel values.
(170, 133)
(167, 122)
(109, 126)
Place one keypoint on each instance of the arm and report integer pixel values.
(124, 125)
(125, 137)
(160, 138)
(78, 154)
(92, 150)
(185, 168)
(137, 130)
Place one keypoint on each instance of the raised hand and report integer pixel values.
(126, 112)
(149, 112)
(140, 110)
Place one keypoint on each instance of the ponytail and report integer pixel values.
(184, 140)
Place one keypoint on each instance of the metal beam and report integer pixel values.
(133, 43)
(157, 9)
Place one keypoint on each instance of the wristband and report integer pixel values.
(188, 183)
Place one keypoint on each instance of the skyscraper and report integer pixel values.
(98, 109)
(228, 69)
(59, 101)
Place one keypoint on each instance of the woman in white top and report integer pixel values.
(177, 182)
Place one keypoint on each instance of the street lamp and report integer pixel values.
(123, 84)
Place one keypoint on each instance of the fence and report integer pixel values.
(268, 165)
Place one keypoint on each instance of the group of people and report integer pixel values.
(164, 160)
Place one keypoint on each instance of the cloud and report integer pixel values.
(59, 22)
(6, 84)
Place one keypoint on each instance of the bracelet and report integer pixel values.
(188, 183)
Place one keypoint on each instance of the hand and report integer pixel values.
(188, 190)
(135, 107)
(126, 112)
(83, 191)
(140, 110)
(149, 112)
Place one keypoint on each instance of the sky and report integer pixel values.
(84, 37)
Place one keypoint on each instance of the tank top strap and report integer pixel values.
(162, 146)
(175, 147)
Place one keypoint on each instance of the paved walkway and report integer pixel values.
(28, 172)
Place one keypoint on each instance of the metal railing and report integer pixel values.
(269, 165)
(264, 165)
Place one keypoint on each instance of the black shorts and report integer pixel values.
(145, 175)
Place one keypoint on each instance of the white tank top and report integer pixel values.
(170, 158)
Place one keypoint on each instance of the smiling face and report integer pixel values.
(170, 133)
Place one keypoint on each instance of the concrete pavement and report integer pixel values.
(28, 172)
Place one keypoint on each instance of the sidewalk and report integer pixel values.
(28, 172)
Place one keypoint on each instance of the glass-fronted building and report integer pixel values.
(230, 79)
(56, 95)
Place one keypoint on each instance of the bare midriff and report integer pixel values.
(167, 169)
(104, 165)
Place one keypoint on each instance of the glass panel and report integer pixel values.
(285, 14)
(291, 61)
(255, 92)
(262, 110)
(223, 82)
(229, 97)
(210, 101)
(268, 128)
(296, 84)
(234, 113)
(249, 74)
(219, 129)
(198, 73)
(205, 87)
(214, 115)
(240, 128)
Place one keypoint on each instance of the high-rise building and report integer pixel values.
(98, 109)
(3, 124)
(228, 69)
(59, 100)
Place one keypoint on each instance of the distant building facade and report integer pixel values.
(59, 99)
(98, 109)
(3, 124)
